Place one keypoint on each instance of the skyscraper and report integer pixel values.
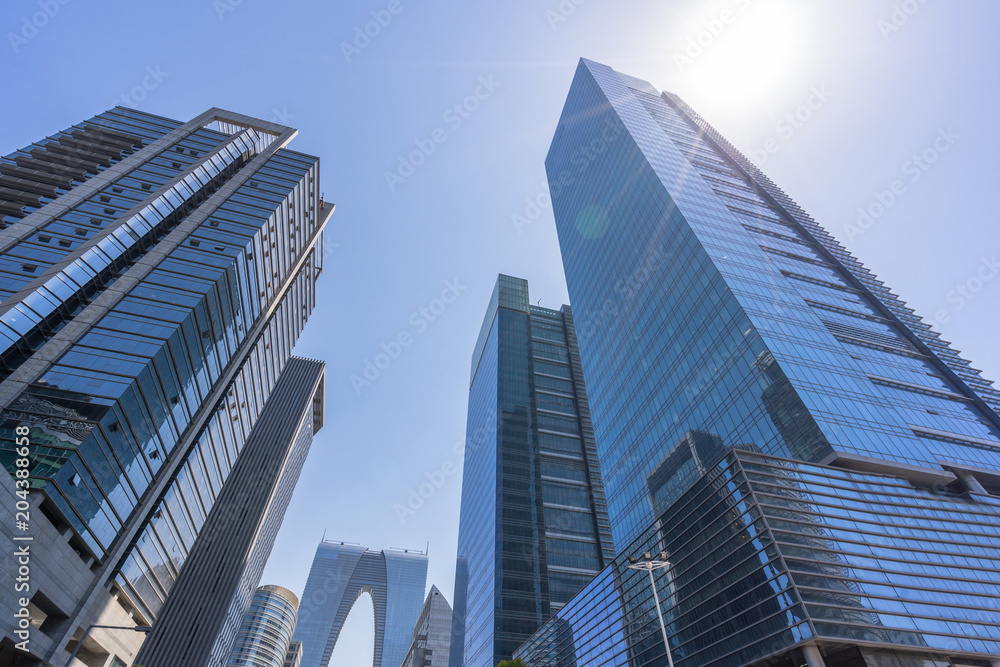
(340, 574)
(432, 633)
(533, 528)
(266, 631)
(154, 275)
(201, 618)
(844, 506)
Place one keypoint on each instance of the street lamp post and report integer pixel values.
(649, 563)
(137, 628)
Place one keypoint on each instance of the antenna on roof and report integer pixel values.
(324, 535)
(428, 550)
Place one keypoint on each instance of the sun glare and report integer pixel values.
(745, 50)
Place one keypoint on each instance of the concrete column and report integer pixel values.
(813, 656)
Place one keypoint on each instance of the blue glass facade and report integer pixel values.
(533, 528)
(771, 553)
(713, 315)
(154, 276)
(340, 574)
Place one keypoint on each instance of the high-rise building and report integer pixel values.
(340, 574)
(819, 468)
(154, 276)
(533, 529)
(201, 618)
(432, 633)
(265, 635)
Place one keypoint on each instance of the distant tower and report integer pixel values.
(340, 573)
(432, 633)
(266, 631)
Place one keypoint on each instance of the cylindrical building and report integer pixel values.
(267, 629)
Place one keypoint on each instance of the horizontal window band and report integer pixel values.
(562, 480)
(819, 281)
(844, 311)
(879, 346)
(567, 415)
(572, 538)
(554, 377)
(573, 570)
(953, 437)
(568, 508)
(918, 388)
(574, 436)
(556, 455)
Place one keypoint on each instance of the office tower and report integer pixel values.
(201, 618)
(850, 514)
(155, 275)
(293, 658)
(265, 635)
(340, 573)
(533, 528)
(432, 633)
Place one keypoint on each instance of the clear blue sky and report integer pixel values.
(886, 95)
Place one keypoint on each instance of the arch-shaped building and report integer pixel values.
(340, 573)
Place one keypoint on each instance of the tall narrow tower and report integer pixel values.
(533, 528)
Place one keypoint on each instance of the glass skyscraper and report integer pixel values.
(340, 574)
(266, 631)
(821, 469)
(154, 276)
(533, 528)
(432, 634)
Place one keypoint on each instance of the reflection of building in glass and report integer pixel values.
(154, 277)
(534, 528)
(851, 516)
(799, 430)
(340, 574)
(686, 462)
(264, 636)
(432, 633)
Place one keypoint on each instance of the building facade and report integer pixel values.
(340, 574)
(293, 658)
(533, 529)
(265, 635)
(432, 633)
(154, 276)
(820, 468)
(201, 618)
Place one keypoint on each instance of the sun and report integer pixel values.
(745, 51)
